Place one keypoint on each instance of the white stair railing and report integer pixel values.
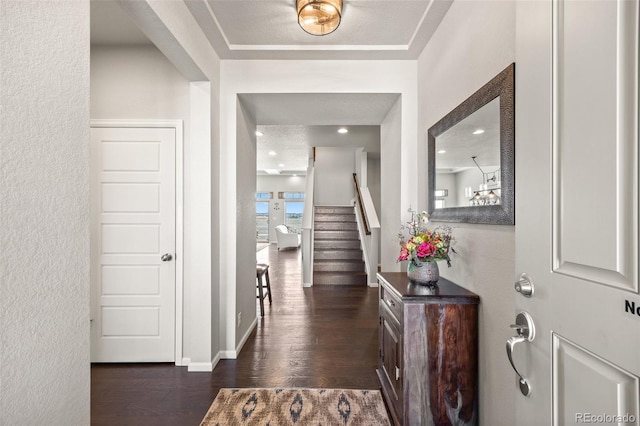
(369, 229)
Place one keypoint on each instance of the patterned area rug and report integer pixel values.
(280, 407)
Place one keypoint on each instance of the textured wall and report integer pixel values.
(44, 213)
(475, 41)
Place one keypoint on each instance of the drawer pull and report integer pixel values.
(391, 303)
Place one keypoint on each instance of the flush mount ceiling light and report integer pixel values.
(319, 17)
(343, 130)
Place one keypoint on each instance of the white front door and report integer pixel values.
(133, 244)
(577, 210)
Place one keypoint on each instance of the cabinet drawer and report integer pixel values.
(392, 302)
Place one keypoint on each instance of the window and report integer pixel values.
(264, 195)
(293, 214)
(262, 221)
(441, 194)
(291, 195)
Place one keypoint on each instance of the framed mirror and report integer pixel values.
(471, 157)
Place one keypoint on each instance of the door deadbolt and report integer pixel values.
(524, 285)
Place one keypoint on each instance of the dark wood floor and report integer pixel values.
(319, 337)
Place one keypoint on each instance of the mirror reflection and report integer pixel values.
(475, 179)
(467, 160)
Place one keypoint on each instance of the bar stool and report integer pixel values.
(262, 270)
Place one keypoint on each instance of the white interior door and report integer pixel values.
(577, 210)
(133, 244)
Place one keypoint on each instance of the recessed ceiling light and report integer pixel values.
(478, 132)
(442, 151)
(294, 175)
(272, 153)
(280, 165)
(259, 133)
(342, 130)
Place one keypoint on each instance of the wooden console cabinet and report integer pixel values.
(428, 351)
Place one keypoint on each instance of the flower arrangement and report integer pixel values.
(423, 244)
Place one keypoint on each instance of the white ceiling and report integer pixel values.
(292, 145)
(268, 29)
(294, 123)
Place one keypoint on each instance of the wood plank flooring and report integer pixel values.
(319, 337)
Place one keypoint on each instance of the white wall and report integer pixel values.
(291, 76)
(137, 82)
(334, 169)
(277, 184)
(392, 207)
(44, 213)
(373, 181)
(246, 234)
(475, 41)
(449, 182)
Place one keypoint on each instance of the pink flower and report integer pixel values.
(404, 254)
(425, 250)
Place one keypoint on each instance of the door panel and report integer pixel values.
(577, 215)
(595, 118)
(133, 225)
(572, 367)
(130, 198)
(140, 280)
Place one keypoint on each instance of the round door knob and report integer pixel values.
(166, 257)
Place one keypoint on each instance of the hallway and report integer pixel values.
(319, 337)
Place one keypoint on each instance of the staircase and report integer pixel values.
(337, 257)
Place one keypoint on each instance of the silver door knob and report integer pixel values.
(166, 257)
(524, 285)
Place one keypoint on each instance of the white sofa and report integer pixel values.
(286, 239)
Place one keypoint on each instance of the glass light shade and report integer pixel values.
(319, 17)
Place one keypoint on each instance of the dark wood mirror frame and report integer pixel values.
(503, 86)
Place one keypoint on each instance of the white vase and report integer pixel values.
(425, 273)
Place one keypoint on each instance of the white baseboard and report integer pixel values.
(234, 354)
(215, 361)
(204, 367)
(253, 325)
(228, 354)
(306, 284)
(374, 284)
(184, 362)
